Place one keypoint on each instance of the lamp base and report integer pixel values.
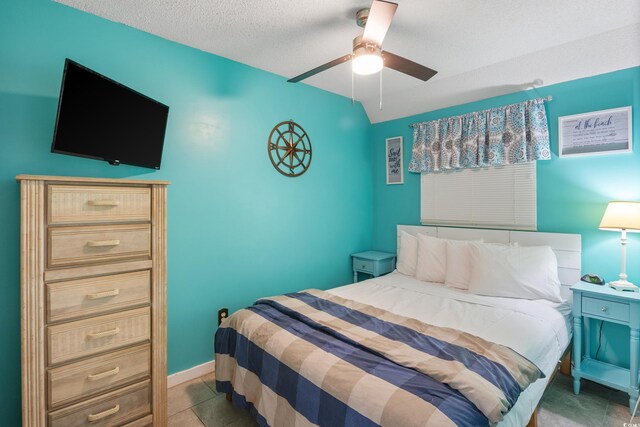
(624, 286)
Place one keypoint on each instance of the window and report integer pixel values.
(496, 197)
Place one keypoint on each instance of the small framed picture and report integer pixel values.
(395, 172)
(598, 132)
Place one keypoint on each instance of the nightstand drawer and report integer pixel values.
(374, 263)
(607, 309)
(363, 265)
(75, 204)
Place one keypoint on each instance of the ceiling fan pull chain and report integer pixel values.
(381, 89)
(352, 91)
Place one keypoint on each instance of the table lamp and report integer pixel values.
(623, 217)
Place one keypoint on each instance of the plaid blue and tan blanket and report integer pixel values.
(313, 358)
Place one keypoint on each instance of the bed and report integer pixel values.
(537, 331)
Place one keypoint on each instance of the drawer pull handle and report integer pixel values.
(105, 294)
(103, 414)
(104, 203)
(110, 332)
(604, 309)
(98, 243)
(101, 375)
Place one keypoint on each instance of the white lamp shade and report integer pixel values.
(367, 63)
(621, 216)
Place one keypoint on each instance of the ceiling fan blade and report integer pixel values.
(407, 66)
(320, 69)
(380, 16)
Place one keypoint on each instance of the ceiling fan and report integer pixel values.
(367, 56)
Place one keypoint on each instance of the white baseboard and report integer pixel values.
(190, 374)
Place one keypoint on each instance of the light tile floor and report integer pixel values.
(595, 406)
(197, 404)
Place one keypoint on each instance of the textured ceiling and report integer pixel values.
(479, 48)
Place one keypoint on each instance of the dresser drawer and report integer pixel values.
(71, 204)
(88, 377)
(87, 297)
(81, 245)
(606, 309)
(82, 338)
(111, 409)
(363, 265)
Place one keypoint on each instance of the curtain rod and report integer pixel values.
(546, 98)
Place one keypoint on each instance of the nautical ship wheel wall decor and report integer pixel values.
(289, 149)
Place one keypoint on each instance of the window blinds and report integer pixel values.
(496, 197)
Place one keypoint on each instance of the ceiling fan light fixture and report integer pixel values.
(367, 57)
(366, 64)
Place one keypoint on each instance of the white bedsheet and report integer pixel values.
(538, 330)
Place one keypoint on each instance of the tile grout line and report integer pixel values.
(215, 394)
(198, 381)
(185, 410)
(196, 414)
(606, 411)
(210, 388)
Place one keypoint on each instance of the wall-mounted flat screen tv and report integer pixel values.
(103, 119)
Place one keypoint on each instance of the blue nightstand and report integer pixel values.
(603, 303)
(373, 262)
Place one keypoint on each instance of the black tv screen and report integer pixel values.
(102, 119)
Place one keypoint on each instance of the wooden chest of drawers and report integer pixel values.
(93, 297)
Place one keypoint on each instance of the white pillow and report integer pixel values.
(527, 272)
(459, 265)
(407, 254)
(432, 259)
(459, 262)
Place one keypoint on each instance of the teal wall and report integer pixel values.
(572, 192)
(238, 229)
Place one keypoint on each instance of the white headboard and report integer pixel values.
(567, 247)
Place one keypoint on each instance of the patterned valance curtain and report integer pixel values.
(513, 133)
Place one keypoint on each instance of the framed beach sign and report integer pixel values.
(598, 132)
(395, 173)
